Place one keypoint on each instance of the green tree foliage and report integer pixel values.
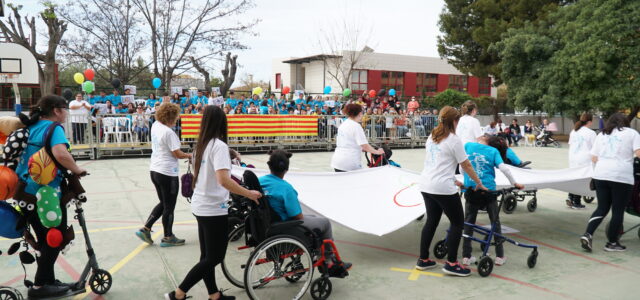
(585, 57)
(450, 97)
(471, 27)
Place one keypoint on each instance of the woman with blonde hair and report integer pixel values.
(165, 147)
(439, 187)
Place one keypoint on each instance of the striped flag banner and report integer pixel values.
(256, 125)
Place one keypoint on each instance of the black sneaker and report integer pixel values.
(614, 247)
(425, 264)
(578, 206)
(456, 269)
(225, 297)
(340, 270)
(172, 296)
(587, 241)
(47, 291)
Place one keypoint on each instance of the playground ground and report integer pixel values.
(121, 196)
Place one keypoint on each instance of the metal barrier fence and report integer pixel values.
(116, 135)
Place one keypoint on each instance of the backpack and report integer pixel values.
(12, 225)
(187, 184)
(261, 216)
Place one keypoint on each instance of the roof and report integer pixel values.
(302, 60)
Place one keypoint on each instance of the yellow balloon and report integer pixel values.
(78, 78)
(257, 90)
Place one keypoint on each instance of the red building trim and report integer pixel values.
(375, 80)
(410, 84)
(472, 86)
(443, 82)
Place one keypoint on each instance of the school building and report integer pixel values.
(409, 75)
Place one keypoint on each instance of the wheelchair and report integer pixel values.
(271, 259)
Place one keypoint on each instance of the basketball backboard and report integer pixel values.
(17, 65)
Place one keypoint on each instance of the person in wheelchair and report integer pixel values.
(283, 199)
(484, 158)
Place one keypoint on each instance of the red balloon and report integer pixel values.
(54, 238)
(372, 94)
(286, 90)
(89, 74)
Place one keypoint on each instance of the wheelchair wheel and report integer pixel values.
(273, 266)
(236, 256)
(539, 144)
(556, 144)
(532, 204)
(532, 259)
(485, 266)
(588, 199)
(510, 203)
(7, 293)
(440, 249)
(321, 288)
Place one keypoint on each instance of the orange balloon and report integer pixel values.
(8, 183)
(286, 90)
(372, 94)
(3, 138)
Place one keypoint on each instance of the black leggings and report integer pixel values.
(167, 189)
(452, 207)
(45, 274)
(213, 235)
(612, 196)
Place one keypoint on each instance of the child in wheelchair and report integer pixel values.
(484, 159)
(283, 199)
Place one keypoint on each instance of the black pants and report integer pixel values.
(452, 207)
(470, 215)
(612, 196)
(575, 199)
(45, 274)
(213, 236)
(78, 132)
(167, 189)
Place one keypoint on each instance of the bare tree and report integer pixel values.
(178, 29)
(14, 31)
(200, 68)
(108, 37)
(344, 46)
(228, 73)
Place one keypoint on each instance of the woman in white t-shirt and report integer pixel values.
(581, 140)
(79, 111)
(165, 147)
(613, 153)
(468, 129)
(439, 188)
(212, 180)
(351, 141)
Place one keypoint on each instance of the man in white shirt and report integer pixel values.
(79, 111)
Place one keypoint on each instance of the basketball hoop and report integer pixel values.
(8, 77)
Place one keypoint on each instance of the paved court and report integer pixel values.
(121, 195)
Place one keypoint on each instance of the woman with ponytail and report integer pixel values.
(581, 140)
(50, 109)
(468, 129)
(212, 181)
(439, 187)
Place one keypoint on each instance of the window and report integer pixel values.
(484, 86)
(426, 83)
(359, 81)
(458, 82)
(278, 81)
(393, 80)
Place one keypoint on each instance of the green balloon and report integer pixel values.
(346, 92)
(88, 86)
(48, 207)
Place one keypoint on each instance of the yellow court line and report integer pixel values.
(414, 274)
(121, 263)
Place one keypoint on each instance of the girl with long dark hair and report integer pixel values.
(581, 140)
(612, 153)
(439, 187)
(212, 184)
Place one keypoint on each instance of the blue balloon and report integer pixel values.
(327, 89)
(392, 92)
(156, 82)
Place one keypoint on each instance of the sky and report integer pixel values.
(292, 28)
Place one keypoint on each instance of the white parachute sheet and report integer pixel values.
(381, 200)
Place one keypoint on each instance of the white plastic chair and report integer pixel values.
(109, 128)
(124, 129)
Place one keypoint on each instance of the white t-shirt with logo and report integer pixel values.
(347, 156)
(439, 174)
(215, 101)
(580, 144)
(163, 142)
(209, 197)
(615, 154)
(79, 115)
(468, 129)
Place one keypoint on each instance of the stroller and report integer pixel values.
(633, 206)
(545, 139)
(375, 160)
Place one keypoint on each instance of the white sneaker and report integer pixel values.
(468, 260)
(500, 261)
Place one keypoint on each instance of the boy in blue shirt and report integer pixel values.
(200, 99)
(283, 199)
(115, 97)
(484, 160)
(231, 101)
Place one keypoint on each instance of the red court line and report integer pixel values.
(12, 281)
(67, 267)
(530, 285)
